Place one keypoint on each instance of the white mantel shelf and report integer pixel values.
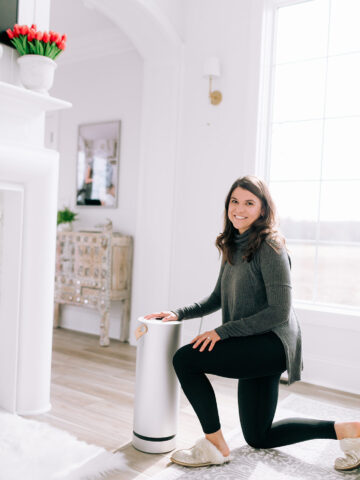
(22, 114)
(33, 102)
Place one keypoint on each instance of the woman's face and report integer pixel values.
(244, 209)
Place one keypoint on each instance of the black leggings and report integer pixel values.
(257, 361)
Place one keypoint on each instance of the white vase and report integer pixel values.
(65, 227)
(37, 72)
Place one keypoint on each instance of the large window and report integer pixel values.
(314, 152)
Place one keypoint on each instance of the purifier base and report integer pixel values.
(151, 446)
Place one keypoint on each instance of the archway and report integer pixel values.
(162, 50)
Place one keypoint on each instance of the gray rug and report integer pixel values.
(310, 460)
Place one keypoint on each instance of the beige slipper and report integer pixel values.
(351, 448)
(203, 453)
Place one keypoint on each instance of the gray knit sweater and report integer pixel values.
(255, 297)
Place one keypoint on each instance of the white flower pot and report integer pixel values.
(65, 227)
(37, 72)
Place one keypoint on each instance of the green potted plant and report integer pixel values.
(37, 51)
(65, 218)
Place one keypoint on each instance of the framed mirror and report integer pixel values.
(98, 164)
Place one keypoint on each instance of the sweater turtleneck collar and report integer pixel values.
(241, 240)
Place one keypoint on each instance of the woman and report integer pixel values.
(258, 340)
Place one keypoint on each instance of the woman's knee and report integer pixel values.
(181, 357)
(256, 443)
(255, 439)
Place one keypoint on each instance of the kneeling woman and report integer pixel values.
(258, 340)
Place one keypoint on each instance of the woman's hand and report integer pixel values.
(166, 316)
(206, 338)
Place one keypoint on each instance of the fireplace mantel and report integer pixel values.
(22, 114)
(28, 206)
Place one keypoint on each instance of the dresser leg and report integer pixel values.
(56, 315)
(104, 329)
(125, 321)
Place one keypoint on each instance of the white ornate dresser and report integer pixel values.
(94, 268)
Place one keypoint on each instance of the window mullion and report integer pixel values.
(316, 276)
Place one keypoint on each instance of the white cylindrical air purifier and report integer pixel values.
(157, 390)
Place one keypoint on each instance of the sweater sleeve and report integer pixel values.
(208, 305)
(275, 271)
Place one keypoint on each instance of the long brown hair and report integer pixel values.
(264, 227)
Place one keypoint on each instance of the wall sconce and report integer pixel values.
(212, 69)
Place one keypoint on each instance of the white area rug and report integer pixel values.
(310, 460)
(31, 450)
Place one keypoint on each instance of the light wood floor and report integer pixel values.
(92, 398)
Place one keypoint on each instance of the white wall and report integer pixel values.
(217, 144)
(331, 348)
(175, 11)
(107, 88)
(8, 67)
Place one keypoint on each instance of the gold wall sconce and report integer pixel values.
(211, 70)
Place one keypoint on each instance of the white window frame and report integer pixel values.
(266, 83)
(263, 145)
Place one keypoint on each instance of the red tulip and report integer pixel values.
(39, 36)
(64, 37)
(16, 30)
(24, 30)
(54, 37)
(10, 33)
(46, 37)
(61, 45)
(34, 27)
(31, 35)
